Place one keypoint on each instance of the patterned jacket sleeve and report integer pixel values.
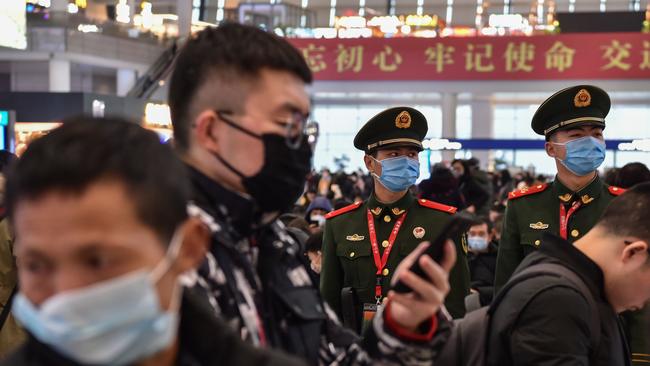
(380, 346)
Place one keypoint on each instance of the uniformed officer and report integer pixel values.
(364, 242)
(572, 120)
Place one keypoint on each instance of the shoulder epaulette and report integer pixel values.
(437, 206)
(527, 191)
(616, 191)
(343, 210)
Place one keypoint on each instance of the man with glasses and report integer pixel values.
(572, 121)
(240, 108)
(365, 242)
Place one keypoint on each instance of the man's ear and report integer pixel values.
(637, 251)
(368, 160)
(196, 243)
(205, 126)
(551, 150)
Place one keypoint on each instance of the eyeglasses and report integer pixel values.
(297, 127)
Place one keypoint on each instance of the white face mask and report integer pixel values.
(318, 219)
(114, 322)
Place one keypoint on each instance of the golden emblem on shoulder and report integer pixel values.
(538, 226)
(355, 237)
(403, 120)
(582, 99)
(565, 197)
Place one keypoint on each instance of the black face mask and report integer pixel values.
(281, 181)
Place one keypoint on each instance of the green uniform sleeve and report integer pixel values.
(459, 279)
(510, 252)
(331, 277)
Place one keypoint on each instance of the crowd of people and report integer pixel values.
(226, 247)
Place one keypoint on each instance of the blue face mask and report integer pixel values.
(477, 243)
(583, 155)
(114, 322)
(398, 174)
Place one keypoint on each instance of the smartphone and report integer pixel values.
(459, 224)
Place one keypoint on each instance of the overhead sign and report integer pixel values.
(552, 57)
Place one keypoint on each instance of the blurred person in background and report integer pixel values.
(11, 334)
(475, 193)
(505, 185)
(632, 174)
(315, 214)
(313, 251)
(240, 109)
(482, 259)
(442, 187)
(102, 238)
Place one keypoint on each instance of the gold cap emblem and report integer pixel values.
(582, 99)
(403, 120)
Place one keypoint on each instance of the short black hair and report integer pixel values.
(235, 51)
(632, 174)
(85, 150)
(482, 220)
(627, 214)
(315, 242)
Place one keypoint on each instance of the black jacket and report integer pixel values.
(203, 341)
(256, 277)
(482, 267)
(553, 328)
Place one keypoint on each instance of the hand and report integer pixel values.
(409, 310)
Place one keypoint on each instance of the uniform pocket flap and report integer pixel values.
(303, 302)
(352, 251)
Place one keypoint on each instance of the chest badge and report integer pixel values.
(565, 197)
(376, 211)
(355, 237)
(538, 226)
(419, 232)
(586, 199)
(396, 211)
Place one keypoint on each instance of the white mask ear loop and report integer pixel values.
(171, 255)
(166, 263)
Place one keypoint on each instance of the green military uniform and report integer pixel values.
(554, 208)
(348, 261)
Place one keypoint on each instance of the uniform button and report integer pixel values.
(537, 242)
(387, 218)
(385, 243)
(352, 255)
(575, 233)
(385, 272)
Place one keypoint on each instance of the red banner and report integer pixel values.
(571, 56)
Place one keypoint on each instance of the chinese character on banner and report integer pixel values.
(518, 56)
(474, 58)
(440, 55)
(387, 60)
(314, 56)
(559, 57)
(616, 53)
(646, 56)
(349, 58)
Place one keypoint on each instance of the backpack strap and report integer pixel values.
(575, 282)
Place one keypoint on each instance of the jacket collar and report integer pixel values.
(232, 207)
(394, 209)
(567, 253)
(586, 194)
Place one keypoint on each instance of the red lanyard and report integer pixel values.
(564, 217)
(380, 262)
